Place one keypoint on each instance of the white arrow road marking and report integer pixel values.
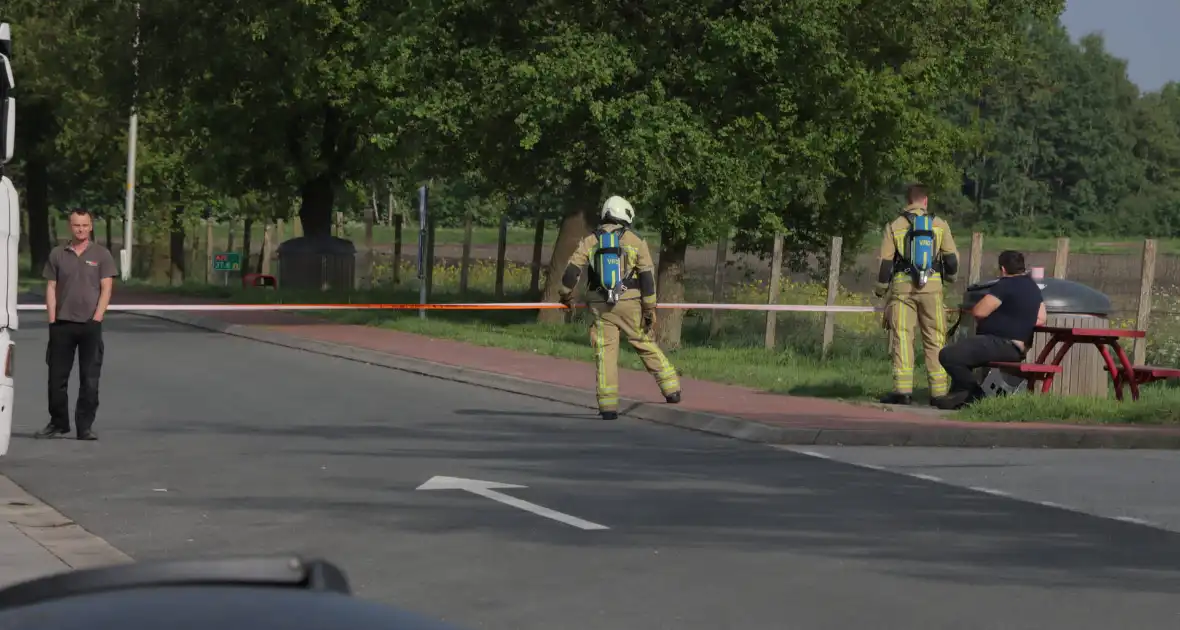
(488, 489)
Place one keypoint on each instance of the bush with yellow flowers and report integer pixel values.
(481, 275)
(1163, 329)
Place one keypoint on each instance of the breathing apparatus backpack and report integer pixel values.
(607, 264)
(920, 248)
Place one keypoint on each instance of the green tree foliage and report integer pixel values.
(288, 96)
(805, 118)
(70, 77)
(1070, 146)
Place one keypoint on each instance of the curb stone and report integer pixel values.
(1067, 437)
(60, 536)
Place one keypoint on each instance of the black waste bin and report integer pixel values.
(323, 263)
(1067, 304)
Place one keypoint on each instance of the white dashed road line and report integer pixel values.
(992, 491)
(1136, 521)
(981, 489)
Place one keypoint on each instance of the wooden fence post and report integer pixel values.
(397, 249)
(776, 272)
(370, 218)
(538, 246)
(976, 258)
(465, 263)
(208, 250)
(1146, 283)
(264, 262)
(431, 231)
(719, 283)
(833, 289)
(278, 240)
(1061, 261)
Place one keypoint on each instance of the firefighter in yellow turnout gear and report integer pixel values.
(629, 310)
(917, 256)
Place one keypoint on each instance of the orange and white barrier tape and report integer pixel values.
(491, 306)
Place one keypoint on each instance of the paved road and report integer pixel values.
(1132, 485)
(213, 445)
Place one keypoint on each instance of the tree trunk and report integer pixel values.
(538, 248)
(37, 182)
(574, 227)
(247, 233)
(176, 242)
(670, 288)
(315, 206)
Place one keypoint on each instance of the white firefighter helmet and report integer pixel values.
(618, 209)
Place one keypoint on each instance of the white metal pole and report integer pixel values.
(132, 141)
(129, 205)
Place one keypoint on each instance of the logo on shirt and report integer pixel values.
(92, 263)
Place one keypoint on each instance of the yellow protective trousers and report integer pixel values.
(903, 312)
(625, 318)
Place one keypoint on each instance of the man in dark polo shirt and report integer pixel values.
(80, 276)
(1005, 321)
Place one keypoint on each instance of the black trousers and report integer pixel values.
(66, 338)
(976, 351)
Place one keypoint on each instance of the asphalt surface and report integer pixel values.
(215, 445)
(1132, 485)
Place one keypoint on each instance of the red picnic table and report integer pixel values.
(1102, 338)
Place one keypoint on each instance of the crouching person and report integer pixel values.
(1006, 319)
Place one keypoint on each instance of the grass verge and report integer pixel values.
(1159, 404)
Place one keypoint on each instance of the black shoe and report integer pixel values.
(609, 415)
(51, 431)
(953, 400)
(88, 435)
(673, 398)
(896, 398)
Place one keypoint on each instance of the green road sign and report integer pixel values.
(229, 261)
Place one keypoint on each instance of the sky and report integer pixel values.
(1144, 32)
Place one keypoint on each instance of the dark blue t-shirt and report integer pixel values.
(1016, 317)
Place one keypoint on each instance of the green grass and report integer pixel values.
(1159, 404)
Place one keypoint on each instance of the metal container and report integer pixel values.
(1067, 304)
(317, 263)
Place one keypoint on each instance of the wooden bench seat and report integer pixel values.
(1025, 368)
(1152, 373)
